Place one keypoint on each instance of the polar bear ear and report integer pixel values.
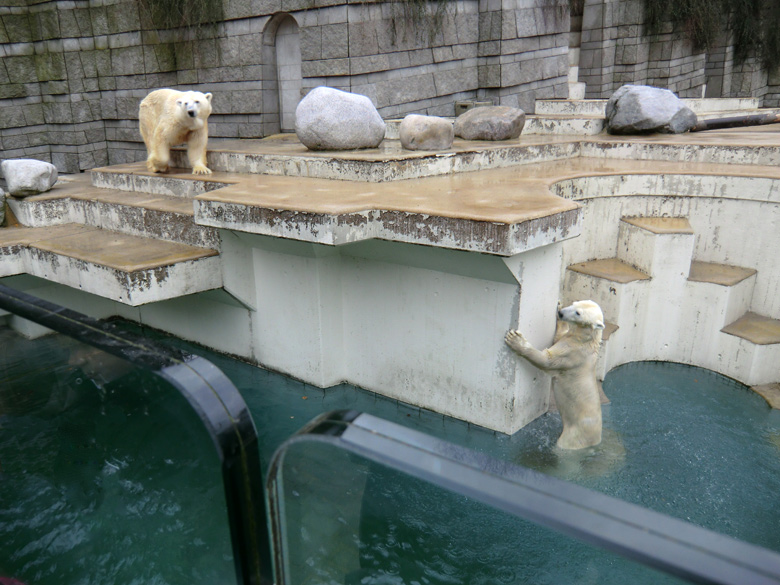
(208, 97)
(598, 325)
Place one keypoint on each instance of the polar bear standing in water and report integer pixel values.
(571, 360)
(169, 117)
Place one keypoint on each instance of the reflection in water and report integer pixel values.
(103, 483)
(574, 465)
(108, 475)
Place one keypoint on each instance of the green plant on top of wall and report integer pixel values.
(754, 24)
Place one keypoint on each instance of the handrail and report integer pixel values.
(650, 538)
(210, 393)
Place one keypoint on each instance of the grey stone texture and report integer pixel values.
(24, 177)
(490, 123)
(418, 132)
(71, 68)
(616, 50)
(331, 119)
(641, 109)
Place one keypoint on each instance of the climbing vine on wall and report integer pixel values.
(754, 24)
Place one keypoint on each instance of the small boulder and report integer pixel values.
(331, 119)
(642, 109)
(25, 177)
(490, 123)
(426, 133)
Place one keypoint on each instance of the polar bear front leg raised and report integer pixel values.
(522, 347)
(196, 151)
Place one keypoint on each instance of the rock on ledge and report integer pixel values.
(642, 109)
(331, 119)
(490, 123)
(25, 177)
(426, 133)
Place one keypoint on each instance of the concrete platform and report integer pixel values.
(124, 268)
(721, 274)
(755, 328)
(770, 393)
(611, 269)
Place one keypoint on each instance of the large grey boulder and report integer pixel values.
(490, 123)
(25, 177)
(331, 119)
(426, 132)
(642, 109)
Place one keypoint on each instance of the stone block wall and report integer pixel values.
(74, 71)
(615, 50)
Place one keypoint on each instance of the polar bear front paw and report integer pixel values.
(516, 341)
(156, 166)
(201, 170)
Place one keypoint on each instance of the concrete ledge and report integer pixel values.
(488, 212)
(285, 156)
(74, 200)
(661, 225)
(721, 274)
(756, 329)
(610, 269)
(770, 393)
(128, 269)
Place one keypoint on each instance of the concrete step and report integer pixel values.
(730, 288)
(770, 393)
(714, 295)
(284, 156)
(659, 246)
(751, 344)
(127, 269)
(74, 200)
(174, 183)
(705, 107)
(602, 281)
(553, 124)
(755, 328)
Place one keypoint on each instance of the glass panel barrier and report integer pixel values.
(108, 465)
(358, 500)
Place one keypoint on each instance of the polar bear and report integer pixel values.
(169, 117)
(571, 360)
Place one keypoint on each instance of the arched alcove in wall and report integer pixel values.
(282, 79)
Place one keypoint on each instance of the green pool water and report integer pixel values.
(107, 481)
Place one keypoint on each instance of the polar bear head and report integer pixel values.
(584, 314)
(194, 104)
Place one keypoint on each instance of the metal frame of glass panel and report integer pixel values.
(210, 393)
(650, 538)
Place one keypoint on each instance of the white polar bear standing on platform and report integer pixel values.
(169, 117)
(571, 360)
